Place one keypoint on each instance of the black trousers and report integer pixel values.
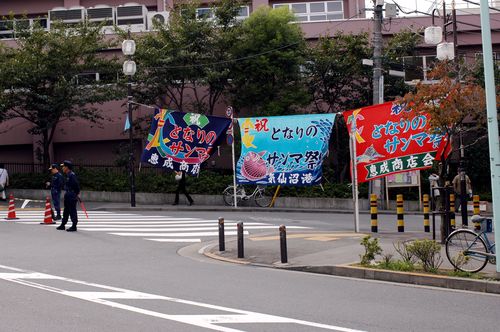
(182, 188)
(70, 211)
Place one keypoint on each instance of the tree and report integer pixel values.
(337, 79)
(455, 97)
(184, 64)
(39, 78)
(268, 57)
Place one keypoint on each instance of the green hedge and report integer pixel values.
(208, 183)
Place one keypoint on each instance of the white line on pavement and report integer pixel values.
(205, 321)
(179, 229)
(175, 240)
(177, 234)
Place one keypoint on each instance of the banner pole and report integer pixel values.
(234, 165)
(354, 176)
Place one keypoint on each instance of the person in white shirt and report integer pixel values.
(4, 182)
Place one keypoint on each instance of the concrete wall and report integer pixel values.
(214, 200)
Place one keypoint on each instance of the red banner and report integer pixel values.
(390, 140)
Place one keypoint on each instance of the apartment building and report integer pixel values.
(78, 140)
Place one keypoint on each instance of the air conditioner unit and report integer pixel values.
(131, 16)
(73, 15)
(102, 14)
(160, 17)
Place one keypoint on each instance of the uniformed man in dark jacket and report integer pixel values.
(72, 189)
(56, 185)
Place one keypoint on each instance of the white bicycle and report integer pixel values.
(260, 195)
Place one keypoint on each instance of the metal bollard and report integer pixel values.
(477, 211)
(374, 212)
(427, 227)
(400, 212)
(284, 255)
(222, 243)
(241, 253)
(452, 212)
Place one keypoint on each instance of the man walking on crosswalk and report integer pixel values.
(72, 189)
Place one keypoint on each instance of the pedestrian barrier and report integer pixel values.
(47, 219)
(452, 212)
(11, 215)
(476, 211)
(241, 253)
(400, 213)
(427, 226)
(374, 213)
(283, 249)
(222, 242)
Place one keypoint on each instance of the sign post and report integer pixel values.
(230, 140)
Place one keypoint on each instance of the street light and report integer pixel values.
(129, 69)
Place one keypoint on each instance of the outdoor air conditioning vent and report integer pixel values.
(130, 11)
(100, 13)
(132, 16)
(160, 17)
(68, 15)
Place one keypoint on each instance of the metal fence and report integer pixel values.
(27, 168)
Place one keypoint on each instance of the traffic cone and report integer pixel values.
(47, 220)
(12, 209)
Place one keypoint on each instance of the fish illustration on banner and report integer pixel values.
(283, 150)
(183, 141)
(390, 139)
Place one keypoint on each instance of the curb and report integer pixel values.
(413, 278)
(240, 209)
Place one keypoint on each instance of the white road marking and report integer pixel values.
(205, 321)
(135, 222)
(176, 240)
(140, 224)
(179, 229)
(177, 234)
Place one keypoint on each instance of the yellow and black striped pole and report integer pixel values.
(452, 211)
(475, 204)
(427, 226)
(400, 212)
(374, 212)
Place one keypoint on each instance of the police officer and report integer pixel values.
(72, 189)
(56, 184)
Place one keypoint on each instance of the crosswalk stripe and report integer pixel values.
(128, 221)
(201, 234)
(138, 223)
(175, 240)
(106, 225)
(180, 229)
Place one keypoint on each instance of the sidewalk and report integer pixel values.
(335, 252)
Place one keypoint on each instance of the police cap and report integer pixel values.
(53, 166)
(68, 164)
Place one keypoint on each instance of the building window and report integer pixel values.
(315, 11)
(208, 13)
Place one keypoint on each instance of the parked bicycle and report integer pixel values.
(259, 195)
(469, 251)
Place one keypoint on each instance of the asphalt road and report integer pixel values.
(93, 280)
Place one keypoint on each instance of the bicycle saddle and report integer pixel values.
(477, 218)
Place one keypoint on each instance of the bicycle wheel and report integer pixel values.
(228, 194)
(262, 198)
(458, 245)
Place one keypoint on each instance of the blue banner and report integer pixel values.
(183, 141)
(283, 150)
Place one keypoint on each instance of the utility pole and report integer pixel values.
(378, 86)
(378, 78)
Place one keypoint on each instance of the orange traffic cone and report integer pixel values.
(47, 220)
(12, 209)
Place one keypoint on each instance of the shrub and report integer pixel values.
(401, 248)
(428, 252)
(372, 248)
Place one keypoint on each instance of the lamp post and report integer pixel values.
(129, 69)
